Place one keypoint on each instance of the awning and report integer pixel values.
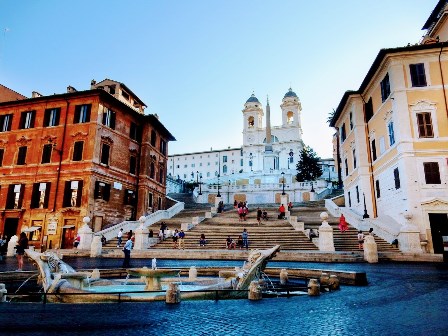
(32, 229)
(68, 226)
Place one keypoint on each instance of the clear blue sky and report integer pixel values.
(195, 63)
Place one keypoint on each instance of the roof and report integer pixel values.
(374, 68)
(252, 99)
(210, 151)
(290, 93)
(126, 88)
(434, 16)
(6, 94)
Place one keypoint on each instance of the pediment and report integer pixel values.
(435, 203)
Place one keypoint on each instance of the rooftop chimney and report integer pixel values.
(71, 89)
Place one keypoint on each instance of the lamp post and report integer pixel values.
(219, 195)
(366, 215)
(200, 184)
(283, 183)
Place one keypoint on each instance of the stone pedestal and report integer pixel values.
(324, 279)
(312, 196)
(254, 291)
(195, 220)
(172, 293)
(11, 246)
(85, 235)
(3, 293)
(141, 238)
(283, 276)
(208, 214)
(409, 237)
(96, 247)
(95, 274)
(313, 287)
(334, 282)
(370, 249)
(326, 242)
(192, 274)
(217, 200)
(284, 200)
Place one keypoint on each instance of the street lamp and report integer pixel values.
(366, 215)
(219, 195)
(283, 183)
(200, 184)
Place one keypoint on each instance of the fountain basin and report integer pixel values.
(152, 277)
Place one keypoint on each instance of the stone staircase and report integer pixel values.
(343, 241)
(225, 224)
(189, 202)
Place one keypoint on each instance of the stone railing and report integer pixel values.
(150, 219)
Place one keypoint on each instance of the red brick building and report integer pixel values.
(82, 153)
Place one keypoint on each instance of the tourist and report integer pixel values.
(163, 227)
(265, 215)
(245, 212)
(151, 234)
(289, 206)
(259, 214)
(245, 236)
(230, 244)
(127, 253)
(21, 246)
(77, 241)
(3, 246)
(235, 204)
(240, 242)
(240, 213)
(130, 234)
(103, 239)
(282, 212)
(202, 240)
(175, 238)
(181, 240)
(360, 240)
(120, 237)
(313, 234)
(342, 224)
(371, 231)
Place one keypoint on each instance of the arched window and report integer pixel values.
(289, 118)
(251, 122)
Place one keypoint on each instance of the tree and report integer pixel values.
(308, 168)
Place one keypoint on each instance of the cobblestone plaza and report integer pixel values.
(401, 299)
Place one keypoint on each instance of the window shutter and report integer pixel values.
(67, 194)
(112, 120)
(107, 192)
(104, 117)
(97, 188)
(89, 107)
(22, 192)
(47, 195)
(77, 150)
(22, 120)
(105, 154)
(10, 197)
(58, 116)
(373, 150)
(78, 200)
(33, 118)
(35, 196)
(2, 153)
(47, 118)
(77, 113)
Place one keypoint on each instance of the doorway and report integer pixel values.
(439, 228)
(11, 225)
(68, 234)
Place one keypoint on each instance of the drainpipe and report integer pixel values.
(443, 81)
(369, 152)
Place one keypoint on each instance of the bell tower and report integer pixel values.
(291, 109)
(252, 120)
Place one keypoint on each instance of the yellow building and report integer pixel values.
(393, 135)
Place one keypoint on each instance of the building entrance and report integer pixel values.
(11, 225)
(68, 234)
(439, 228)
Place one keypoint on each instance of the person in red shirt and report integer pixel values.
(282, 212)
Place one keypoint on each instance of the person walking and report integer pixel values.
(360, 240)
(342, 224)
(127, 253)
(120, 237)
(175, 238)
(245, 236)
(282, 212)
(259, 214)
(181, 240)
(21, 246)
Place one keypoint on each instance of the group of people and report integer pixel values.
(179, 239)
(242, 209)
(242, 242)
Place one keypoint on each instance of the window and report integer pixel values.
(354, 159)
(72, 194)
(150, 200)
(368, 110)
(82, 114)
(163, 147)
(373, 150)
(132, 164)
(46, 153)
(15, 196)
(385, 88)
(51, 117)
(432, 174)
(105, 151)
(102, 191)
(161, 174)
(152, 170)
(153, 138)
(346, 167)
(418, 76)
(192, 165)
(343, 135)
(397, 178)
(5, 122)
(241, 162)
(77, 150)
(224, 158)
(2, 154)
(377, 187)
(40, 195)
(224, 169)
(390, 128)
(134, 132)
(27, 119)
(208, 174)
(424, 124)
(109, 118)
(349, 200)
(382, 145)
(21, 157)
(351, 120)
(129, 197)
(185, 166)
(125, 95)
(357, 194)
(251, 122)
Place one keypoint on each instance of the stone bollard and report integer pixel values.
(86, 235)
(326, 242)
(192, 274)
(141, 235)
(3, 292)
(324, 279)
(333, 282)
(313, 287)
(283, 276)
(370, 249)
(95, 274)
(96, 247)
(255, 291)
(12, 246)
(172, 293)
